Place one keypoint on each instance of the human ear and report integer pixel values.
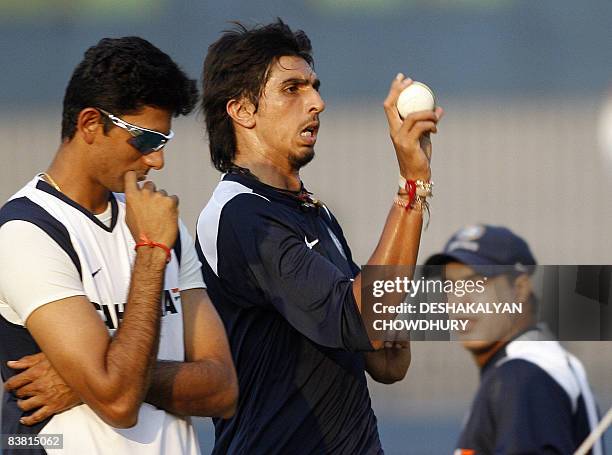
(523, 288)
(241, 111)
(89, 124)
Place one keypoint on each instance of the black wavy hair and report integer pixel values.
(123, 75)
(237, 65)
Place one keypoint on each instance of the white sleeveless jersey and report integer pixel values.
(104, 256)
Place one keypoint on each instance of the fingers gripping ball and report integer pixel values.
(414, 98)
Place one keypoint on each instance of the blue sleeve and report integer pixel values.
(337, 229)
(308, 290)
(532, 412)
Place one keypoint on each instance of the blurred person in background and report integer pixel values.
(277, 265)
(533, 397)
(108, 285)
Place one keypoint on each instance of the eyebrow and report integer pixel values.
(301, 81)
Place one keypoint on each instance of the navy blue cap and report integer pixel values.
(489, 250)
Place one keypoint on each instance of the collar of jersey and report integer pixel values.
(44, 186)
(501, 352)
(287, 197)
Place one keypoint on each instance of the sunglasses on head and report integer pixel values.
(143, 139)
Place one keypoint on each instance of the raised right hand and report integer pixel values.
(150, 212)
(410, 136)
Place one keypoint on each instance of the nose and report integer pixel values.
(155, 159)
(317, 105)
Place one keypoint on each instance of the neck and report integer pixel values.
(270, 173)
(482, 357)
(70, 174)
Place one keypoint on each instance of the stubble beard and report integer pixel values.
(299, 161)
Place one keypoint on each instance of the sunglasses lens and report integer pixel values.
(147, 142)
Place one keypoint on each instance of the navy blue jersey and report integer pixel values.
(533, 399)
(280, 274)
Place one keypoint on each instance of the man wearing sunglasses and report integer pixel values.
(108, 286)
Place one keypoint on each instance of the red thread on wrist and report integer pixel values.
(411, 188)
(145, 241)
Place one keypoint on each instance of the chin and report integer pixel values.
(299, 160)
(481, 346)
(116, 187)
(476, 346)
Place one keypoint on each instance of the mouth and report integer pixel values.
(309, 133)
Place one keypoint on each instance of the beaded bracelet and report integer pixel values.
(423, 188)
(418, 191)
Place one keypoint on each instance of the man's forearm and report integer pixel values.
(202, 388)
(399, 241)
(398, 244)
(133, 349)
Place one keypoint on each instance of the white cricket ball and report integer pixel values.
(416, 97)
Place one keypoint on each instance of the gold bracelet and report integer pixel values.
(423, 188)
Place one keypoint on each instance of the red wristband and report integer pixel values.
(411, 189)
(145, 241)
